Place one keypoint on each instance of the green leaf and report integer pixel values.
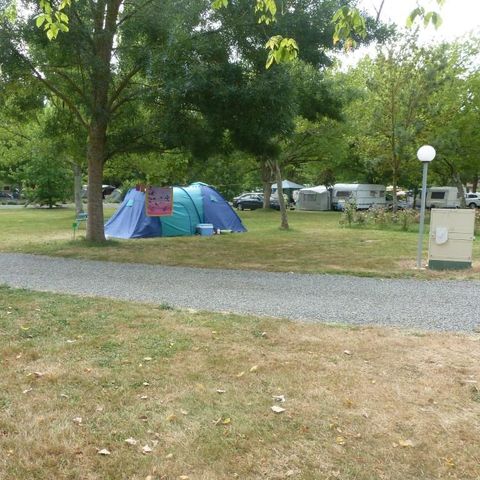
(216, 4)
(40, 20)
(436, 20)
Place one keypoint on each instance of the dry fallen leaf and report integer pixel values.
(277, 409)
(226, 421)
(146, 449)
(171, 418)
(405, 443)
(19, 356)
(449, 462)
(131, 441)
(104, 451)
(340, 440)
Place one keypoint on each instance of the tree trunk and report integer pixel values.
(105, 20)
(281, 200)
(77, 188)
(461, 190)
(267, 192)
(96, 155)
(394, 191)
(267, 180)
(475, 183)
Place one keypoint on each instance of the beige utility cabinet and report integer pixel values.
(451, 238)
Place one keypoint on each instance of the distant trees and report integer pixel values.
(408, 95)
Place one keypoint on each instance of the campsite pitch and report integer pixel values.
(316, 244)
(98, 390)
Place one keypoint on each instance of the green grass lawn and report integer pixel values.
(316, 243)
(80, 375)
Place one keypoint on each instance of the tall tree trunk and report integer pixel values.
(77, 188)
(395, 187)
(267, 180)
(475, 183)
(458, 182)
(96, 155)
(461, 190)
(105, 26)
(267, 193)
(281, 200)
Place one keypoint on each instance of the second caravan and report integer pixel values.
(364, 195)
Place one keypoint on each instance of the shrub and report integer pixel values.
(380, 217)
(349, 213)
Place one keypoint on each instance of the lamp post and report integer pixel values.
(425, 154)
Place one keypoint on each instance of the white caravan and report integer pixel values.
(442, 197)
(364, 195)
(313, 198)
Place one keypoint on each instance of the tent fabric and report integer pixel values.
(197, 203)
(313, 198)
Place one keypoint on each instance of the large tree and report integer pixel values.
(100, 72)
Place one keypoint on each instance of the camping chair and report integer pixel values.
(81, 217)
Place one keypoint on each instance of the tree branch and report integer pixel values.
(37, 75)
(123, 84)
(75, 87)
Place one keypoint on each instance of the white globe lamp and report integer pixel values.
(426, 153)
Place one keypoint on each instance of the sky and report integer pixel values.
(460, 17)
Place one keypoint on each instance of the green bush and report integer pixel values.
(349, 214)
(379, 217)
(46, 180)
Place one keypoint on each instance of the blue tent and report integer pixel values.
(197, 203)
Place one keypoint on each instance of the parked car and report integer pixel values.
(106, 190)
(5, 196)
(253, 201)
(472, 200)
(243, 195)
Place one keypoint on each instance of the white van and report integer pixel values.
(364, 195)
(442, 197)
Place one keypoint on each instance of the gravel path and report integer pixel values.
(429, 305)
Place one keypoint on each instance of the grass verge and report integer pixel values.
(315, 244)
(80, 375)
